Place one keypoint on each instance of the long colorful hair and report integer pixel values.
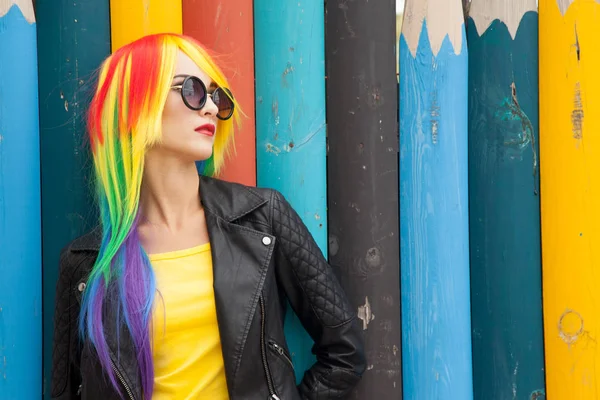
(124, 121)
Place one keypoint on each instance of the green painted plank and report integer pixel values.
(73, 39)
(508, 345)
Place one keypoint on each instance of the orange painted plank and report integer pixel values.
(226, 28)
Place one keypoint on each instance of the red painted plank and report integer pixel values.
(226, 27)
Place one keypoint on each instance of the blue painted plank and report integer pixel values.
(290, 123)
(20, 238)
(506, 291)
(74, 38)
(434, 248)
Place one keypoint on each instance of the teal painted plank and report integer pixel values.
(506, 292)
(434, 242)
(74, 38)
(20, 241)
(290, 123)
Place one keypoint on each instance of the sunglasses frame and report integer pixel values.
(226, 91)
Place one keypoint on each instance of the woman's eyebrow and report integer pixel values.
(180, 76)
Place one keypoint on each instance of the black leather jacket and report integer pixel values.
(262, 255)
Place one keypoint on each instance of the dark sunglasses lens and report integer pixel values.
(194, 92)
(223, 102)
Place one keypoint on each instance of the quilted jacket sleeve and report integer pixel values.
(321, 304)
(65, 366)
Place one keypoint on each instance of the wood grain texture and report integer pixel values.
(289, 47)
(24, 6)
(69, 55)
(504, 202)
(20, 238)
(570, 190)
(434, 237)
(362, 188)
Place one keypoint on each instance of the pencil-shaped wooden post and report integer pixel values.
(570, 195)
(362, 184)
(69, 55)
(20, 238)
(434, 241)
(504, 202)
(289, 41)
(132, 19)
(227, 28)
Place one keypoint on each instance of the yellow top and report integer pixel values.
(188, 363)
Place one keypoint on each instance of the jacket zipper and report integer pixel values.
(263, 351)
(127, 389)
(281, 351)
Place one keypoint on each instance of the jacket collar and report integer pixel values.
(226, 200)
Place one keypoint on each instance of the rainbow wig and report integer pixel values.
(124, 121)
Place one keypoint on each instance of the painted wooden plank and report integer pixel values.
(226, 28)
(434, 243)
(570, 190)
(290, 123)
(132, 19)
(362, 181)
(69, 54)
(504, 202)
(20, 238)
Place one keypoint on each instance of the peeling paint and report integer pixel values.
(287, 71)
(570, 326)
(273, 149)
(373, 257)
(510, 111)
(361, 148)
(342, 6)
(577, 48)
(577, 113)
(334, 245)
(375, 99)
(435, 115)
(274, 107)
(365, 313)
(355, 206)
(537, 395)
(517, 130)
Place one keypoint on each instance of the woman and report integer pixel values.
(181, 293)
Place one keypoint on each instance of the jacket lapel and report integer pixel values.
(240, 262)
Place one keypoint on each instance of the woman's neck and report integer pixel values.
(169, 194)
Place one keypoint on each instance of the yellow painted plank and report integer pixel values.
(132, 19)
(570, 195)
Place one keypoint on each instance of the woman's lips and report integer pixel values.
(206, 129)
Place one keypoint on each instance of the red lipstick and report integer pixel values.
(206, 129)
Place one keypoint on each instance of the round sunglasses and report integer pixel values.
(194, 95)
